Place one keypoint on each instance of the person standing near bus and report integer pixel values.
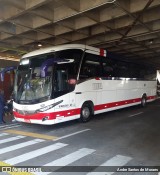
(1, 107)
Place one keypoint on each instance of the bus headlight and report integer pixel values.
(49, 107)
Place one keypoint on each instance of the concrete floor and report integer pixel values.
(128, 137)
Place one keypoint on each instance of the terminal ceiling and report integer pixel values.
(126, 27)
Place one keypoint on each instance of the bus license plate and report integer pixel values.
(27, 120)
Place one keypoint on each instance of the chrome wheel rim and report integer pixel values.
(85, 112)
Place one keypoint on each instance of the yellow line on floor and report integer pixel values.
(9, 168)
(31, 134)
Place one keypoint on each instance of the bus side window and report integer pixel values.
(91, 66)
(121, 69)
(108, 69)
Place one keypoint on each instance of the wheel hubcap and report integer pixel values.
(86, 112)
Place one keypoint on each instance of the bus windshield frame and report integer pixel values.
(48, 76)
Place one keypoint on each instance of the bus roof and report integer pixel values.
(63, 47)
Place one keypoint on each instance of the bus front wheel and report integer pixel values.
(86, 113)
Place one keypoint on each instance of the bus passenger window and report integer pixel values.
(91, 66)
(108, 71)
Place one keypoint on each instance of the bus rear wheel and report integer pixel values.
(86, 113)
(143, 101)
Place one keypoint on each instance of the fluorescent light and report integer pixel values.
(39, 45)
(8, 58)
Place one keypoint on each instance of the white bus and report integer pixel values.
(75, 81)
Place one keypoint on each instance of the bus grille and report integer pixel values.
(23, 112)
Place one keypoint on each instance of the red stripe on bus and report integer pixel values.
(52, 115)
(151, 97)
(116, 104)
(68, 113)
(120, 103)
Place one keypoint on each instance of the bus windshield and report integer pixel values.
(30, 86)
(46, 76)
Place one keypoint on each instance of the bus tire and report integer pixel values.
(86, 112)
(143, 101)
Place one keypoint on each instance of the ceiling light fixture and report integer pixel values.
(39, 45)
(151, 41)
